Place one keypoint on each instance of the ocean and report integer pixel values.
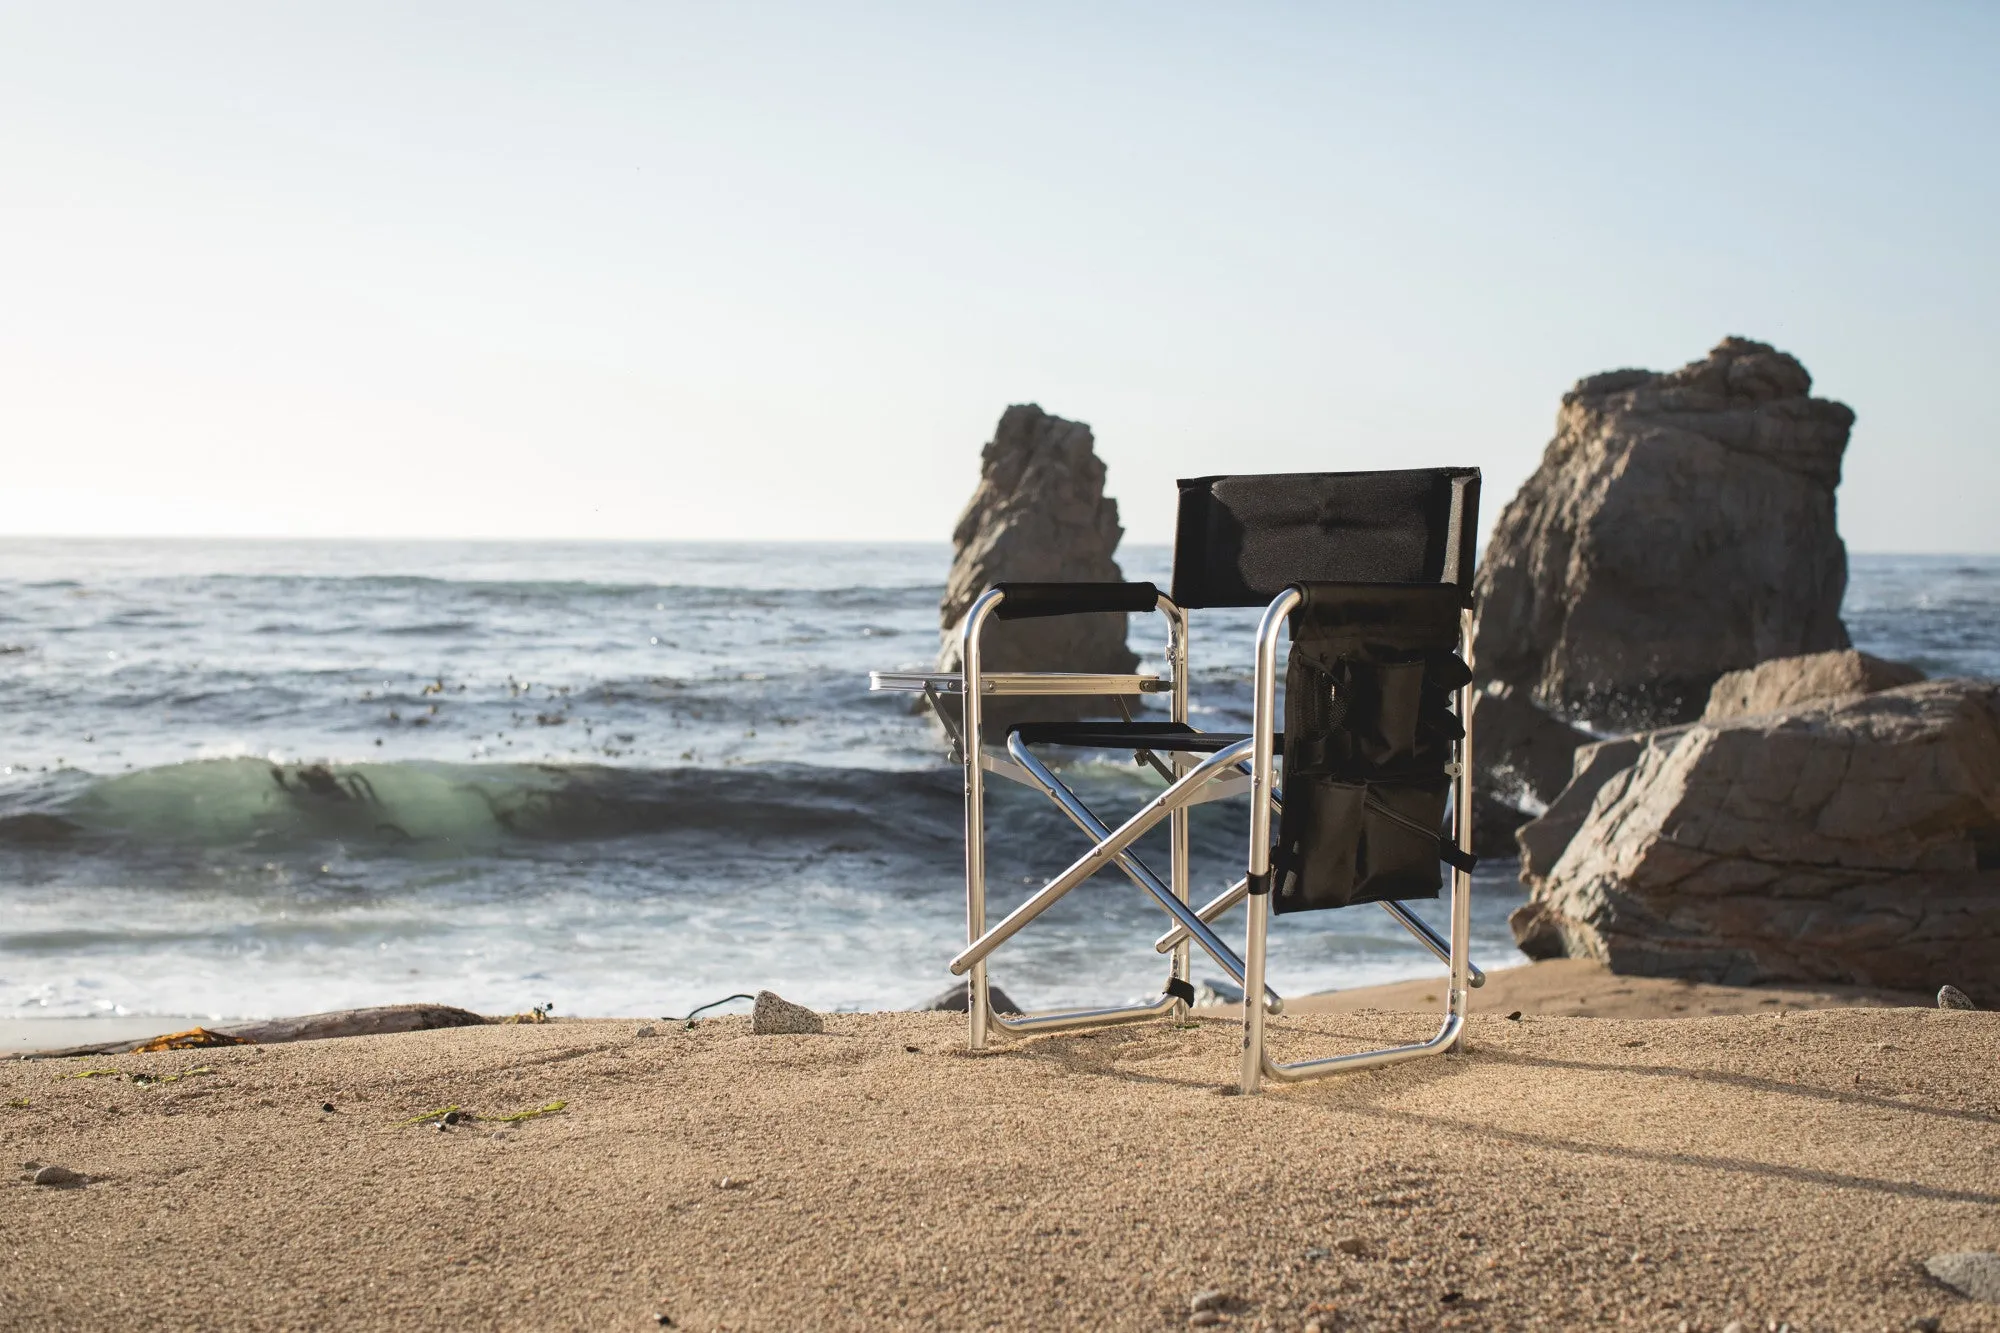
(243, 779)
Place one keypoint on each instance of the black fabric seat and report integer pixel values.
(1170, 736)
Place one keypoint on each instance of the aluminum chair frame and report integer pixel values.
(1256, 1063)
(1227, 772)
(1107, 849)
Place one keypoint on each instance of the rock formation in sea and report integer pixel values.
(1039, 513)
(1681, 525)
(1851, 840)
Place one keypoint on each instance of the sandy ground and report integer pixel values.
(1779, 1166)
(1576, 988)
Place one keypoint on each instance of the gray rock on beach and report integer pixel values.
(1951, 997)
(1852, 841)
(1039, 514)
(773, 1015)
(1680, 526)
(1971, 1273)
(953, 1000)
(57, 1175)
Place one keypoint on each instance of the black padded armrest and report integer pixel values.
(1025, 600)
(1361, 604)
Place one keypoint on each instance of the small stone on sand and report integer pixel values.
(776, 1016)
(1211, 1299)
(1973, 1273)
(1951, 997)
(57, 1175)
(1351, 1245)
(646, 1030)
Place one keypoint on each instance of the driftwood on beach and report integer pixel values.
(311, 1027)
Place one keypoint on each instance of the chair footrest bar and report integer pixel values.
(1085, 1018)
(1300, 1071)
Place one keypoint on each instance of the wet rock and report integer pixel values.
(1494, 823)
(953, 1000)
(1974, 1274)
(1951, 997)
(1039, 514)
(775, 1016)
(1521, 752)
(1680, 526)
(57, 1175)
(1854, 841)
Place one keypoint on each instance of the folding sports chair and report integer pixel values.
(1372, 572)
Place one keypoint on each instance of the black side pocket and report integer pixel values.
(1319, 842)
(1397, 856)
(1388, 696)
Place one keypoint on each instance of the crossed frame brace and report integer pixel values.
(1227, 772)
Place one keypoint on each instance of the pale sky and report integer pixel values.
(763, 270)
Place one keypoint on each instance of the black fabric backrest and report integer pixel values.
(1239, 541)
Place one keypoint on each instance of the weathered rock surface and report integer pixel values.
(1542, 841)
(1782, 683)
(1681, 525)
(772, 1015)
(1786, 682)
(1039, 514)
(954, 999)
(1853, 841)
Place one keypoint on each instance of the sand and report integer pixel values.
(1777, 1166)
(1577, 988)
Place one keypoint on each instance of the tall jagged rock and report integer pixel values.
(1854, 840)
(1039, 513)
(1680, 525)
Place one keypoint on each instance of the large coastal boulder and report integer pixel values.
(1786, 682)
(1681, 525)
(1855, 840)
(1768, 687)
(1039, 513)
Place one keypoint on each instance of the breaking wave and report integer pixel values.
(439, 806)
